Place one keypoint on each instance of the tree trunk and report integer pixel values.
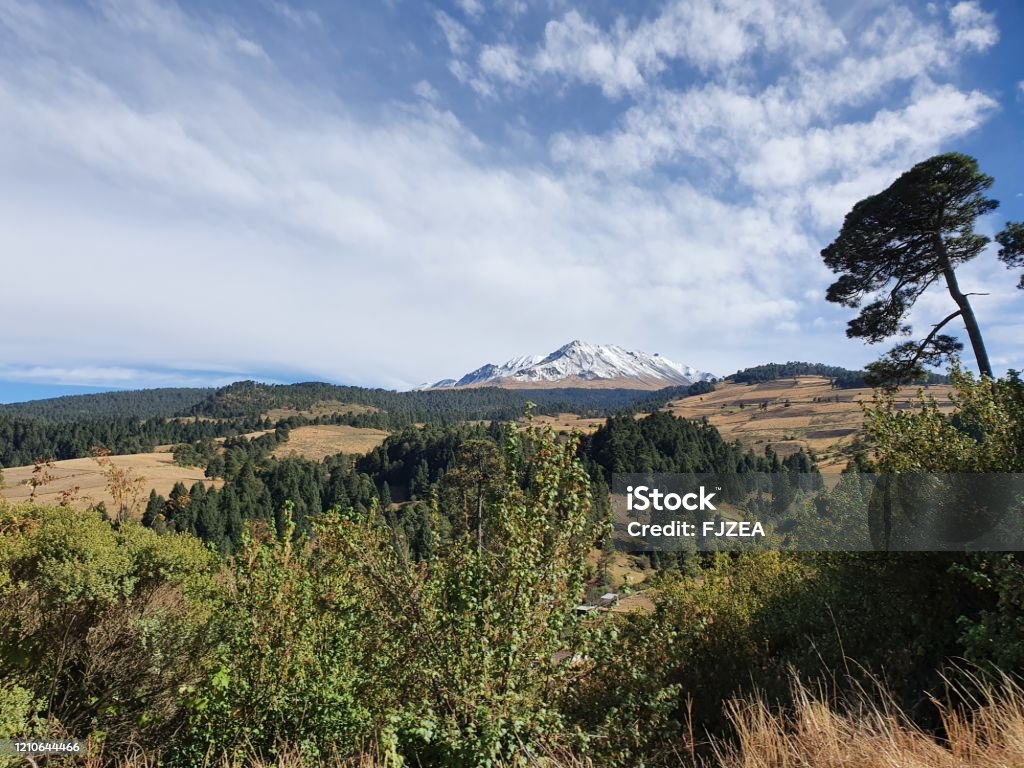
(967, 312)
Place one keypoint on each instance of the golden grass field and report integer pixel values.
(813, 419)
(567, 422)
(319, 441)
(158, 470)
(322, 408)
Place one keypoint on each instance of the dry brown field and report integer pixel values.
(319, 441)
(159, 471)
(812, 419)
(323, 408)
(168, 447)
(565, 423)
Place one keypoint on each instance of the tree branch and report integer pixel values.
(927, 339)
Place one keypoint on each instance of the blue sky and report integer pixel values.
(386, 193)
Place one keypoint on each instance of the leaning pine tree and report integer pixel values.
(895, 245)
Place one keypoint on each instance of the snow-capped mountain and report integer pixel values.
(579, 364)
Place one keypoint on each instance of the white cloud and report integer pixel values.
(425, 90)
(300, 17)
(177, 204)
(501, 62)
(892, 137)
(455, 34)
(711, 35)
(472, 8)
(974, 27)
(259, 226)
(792, 142)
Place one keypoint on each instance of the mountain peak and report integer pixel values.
(581, 364)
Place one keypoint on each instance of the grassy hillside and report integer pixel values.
(318, 441)
(85, 483)
(793, 413)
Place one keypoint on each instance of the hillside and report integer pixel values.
(316, 442)
(843, 378)
(249, 398)
(801, 412)
(139, 404)
(158, 470)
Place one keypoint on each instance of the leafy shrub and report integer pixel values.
(101, 625)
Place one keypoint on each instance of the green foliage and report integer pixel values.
(101, 625)
(661, 442)
(18, 711)
(290, 663)
(1011, 251)
(197, 454)
(986, 434)
(24, 439)
(19, 716)
(248, 398)
(442, 631)
(481, 621)
(842, 378)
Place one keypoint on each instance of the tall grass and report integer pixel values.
(818, 731)
(869, 731)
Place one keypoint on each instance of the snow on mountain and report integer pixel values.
(581, 364)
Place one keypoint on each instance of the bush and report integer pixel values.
(101, 626)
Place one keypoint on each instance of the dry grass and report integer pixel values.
(318, 442)
(158, 469)
(322, 408)
(565, 423)
(865, 732)
(826, 427)
(871, 732)
(617, 569)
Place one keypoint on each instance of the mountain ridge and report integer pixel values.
(581, 364)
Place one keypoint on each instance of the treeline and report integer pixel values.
(135, 422)
(408, 467)
(662, 442)
(246, 398)
(23, 440)
(257, 492)
(842, 378)
(136, 404)
(257, 486)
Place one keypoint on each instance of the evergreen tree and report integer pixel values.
(1012, 251)
(154, 509)
(896, 244)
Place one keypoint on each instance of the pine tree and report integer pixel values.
(894, 245)
(154, 509)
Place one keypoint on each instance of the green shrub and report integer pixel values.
(101, 624)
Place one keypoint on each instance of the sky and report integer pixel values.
(387, 193)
